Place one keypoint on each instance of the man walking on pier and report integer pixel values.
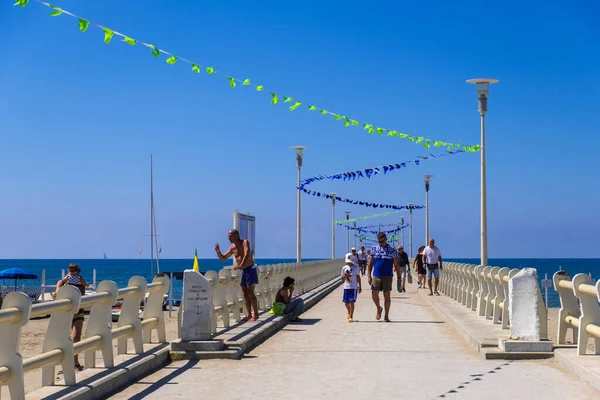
(240, 249)
(362, 260)
(404, 269)
(432, 258)
(383, 262)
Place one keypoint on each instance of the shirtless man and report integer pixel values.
(240, 249)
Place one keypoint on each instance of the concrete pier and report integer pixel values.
(419, 355)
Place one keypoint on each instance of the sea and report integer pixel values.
(121, 270)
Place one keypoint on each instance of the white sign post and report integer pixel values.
(196, 319)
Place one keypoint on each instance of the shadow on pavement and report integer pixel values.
(163, 381)
(404, 322)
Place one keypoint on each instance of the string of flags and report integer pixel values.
(362, 229)
(368, 173)
(385, 214)
(275, 98)
(366, 238)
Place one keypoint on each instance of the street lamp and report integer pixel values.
(299, 152)
(402, 231)
(410, 209)
(347, 232)
(355, 234)
(427, 178)
(482, 85)
(332, 225)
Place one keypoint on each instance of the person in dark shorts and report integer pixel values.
(362, 260)
(74, 279)
(384, 260)
(244, 258)
(420, 267)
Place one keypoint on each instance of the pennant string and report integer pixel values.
(368, 172)
(84, 23)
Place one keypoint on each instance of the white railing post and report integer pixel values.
(260, 287)
(220, 294)
(213, 279)
(10, 332)
(489, 305)
(130, 315)
(502, 291)
(569, 307)
(590, 314)
(100, 324)
(154, 309)
(483, 290)
(473, 274)
(232, 293)
(58, 337)
(499, 299)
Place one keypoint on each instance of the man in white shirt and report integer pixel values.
(362, 260)
(354, 257)
(432, 258)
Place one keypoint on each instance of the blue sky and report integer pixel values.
(79, 120)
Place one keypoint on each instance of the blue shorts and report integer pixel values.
(249, 276)
(350, 295)
(433, 271)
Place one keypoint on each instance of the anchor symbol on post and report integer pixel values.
(198, 310)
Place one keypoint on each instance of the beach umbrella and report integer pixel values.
(16, 274)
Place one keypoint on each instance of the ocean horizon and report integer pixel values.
(120, 270)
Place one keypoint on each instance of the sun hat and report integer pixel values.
(349, 258)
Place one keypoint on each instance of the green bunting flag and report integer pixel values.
(233, 82)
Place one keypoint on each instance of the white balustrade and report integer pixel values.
(482, 289)
(579, 311)
(228, 299)
(58, 348)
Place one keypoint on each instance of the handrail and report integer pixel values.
(49, 307)
(579, 311)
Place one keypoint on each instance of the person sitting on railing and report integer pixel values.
(283, 301)
(74, 279)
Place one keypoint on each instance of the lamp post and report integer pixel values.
(332, 225)
(410, 210)
(355, 234)
(482, 85)
(402, 231)
(299, 153)
(347, 232)
(427, 178)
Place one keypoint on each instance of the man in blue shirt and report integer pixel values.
(383, 262)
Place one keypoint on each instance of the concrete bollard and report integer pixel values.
(130, 315)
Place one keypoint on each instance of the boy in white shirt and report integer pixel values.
(352, 285)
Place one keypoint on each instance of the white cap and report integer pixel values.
(354, 248)
(349, 258)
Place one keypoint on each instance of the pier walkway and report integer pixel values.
(418, 355)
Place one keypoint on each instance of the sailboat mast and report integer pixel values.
(156, 248)
(151, 218)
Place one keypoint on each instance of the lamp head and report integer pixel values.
(299, 150)
(482, 85)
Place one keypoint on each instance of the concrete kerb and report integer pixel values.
(587, 368)
(103, 382)
(256, 334)
(479, 333)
